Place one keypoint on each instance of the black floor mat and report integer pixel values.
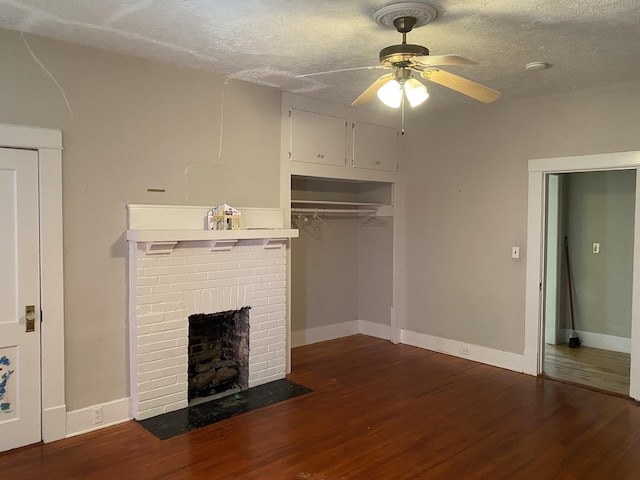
(191, 418)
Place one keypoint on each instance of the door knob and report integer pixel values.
(30, 316)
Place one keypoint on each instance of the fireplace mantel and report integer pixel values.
(203, 235)
(164, 241)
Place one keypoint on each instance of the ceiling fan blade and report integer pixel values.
(443, 60)
(462, 85)
(339, 70)
(370, 93)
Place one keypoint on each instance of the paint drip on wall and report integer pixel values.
(6, 390)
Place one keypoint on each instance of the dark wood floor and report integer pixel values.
(378, 411)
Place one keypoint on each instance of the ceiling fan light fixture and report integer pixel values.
(416, 92)
(391, 94)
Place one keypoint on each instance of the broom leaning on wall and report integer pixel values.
(574, 340)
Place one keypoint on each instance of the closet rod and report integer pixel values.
(351, 211)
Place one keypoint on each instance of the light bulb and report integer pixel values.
(416, 92)
(391, 94)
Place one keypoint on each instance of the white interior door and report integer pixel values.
(20, 412)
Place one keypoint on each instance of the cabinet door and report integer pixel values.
(375, 147)
(317, 138)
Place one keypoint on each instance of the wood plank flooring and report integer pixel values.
(378, 411)
(593, 367)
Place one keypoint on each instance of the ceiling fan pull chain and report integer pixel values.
(402, 115)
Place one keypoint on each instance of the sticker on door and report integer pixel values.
(7, 383)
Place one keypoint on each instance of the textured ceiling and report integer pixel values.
(586, 42)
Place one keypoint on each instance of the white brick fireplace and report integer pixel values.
(177, 272)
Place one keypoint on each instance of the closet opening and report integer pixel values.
(342, 264)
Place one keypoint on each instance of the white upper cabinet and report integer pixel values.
(375, 147)
(317, 138)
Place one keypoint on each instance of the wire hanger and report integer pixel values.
(320, 219)
(374, 221)
(312, 225)
(301, 218)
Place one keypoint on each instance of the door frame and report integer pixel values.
(48, 144)
(534, 301)
(552, 260)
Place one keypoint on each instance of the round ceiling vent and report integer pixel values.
(422, 12)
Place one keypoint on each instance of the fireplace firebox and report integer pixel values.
(218, 353)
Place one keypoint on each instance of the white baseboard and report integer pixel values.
(322, 334)
(477, 353)
(81, 421)
(600, 340)
(374, 329)
(339, 330)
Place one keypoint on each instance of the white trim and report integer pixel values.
(533, 276)
(538, 168)
(398, 309)
(81, 421)
(339, 330)
(582, 163)
(634, 379)
(599, 340)
(132, 273)
(52, 282)
(48, 143)
(322, 334)
(477, 353)
(54, 423)
(159, 236)
(32, 138)
(373, 329)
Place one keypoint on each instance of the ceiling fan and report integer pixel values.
(406, 60)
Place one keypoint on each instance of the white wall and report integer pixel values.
(130, 125)
(466, 203)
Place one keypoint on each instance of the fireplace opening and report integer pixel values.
(218, 353)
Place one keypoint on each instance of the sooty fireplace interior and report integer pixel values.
(218, 352)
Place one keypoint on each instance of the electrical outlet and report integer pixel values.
(596, 248)
(97, 415)
(515, 252)
(464, 350)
